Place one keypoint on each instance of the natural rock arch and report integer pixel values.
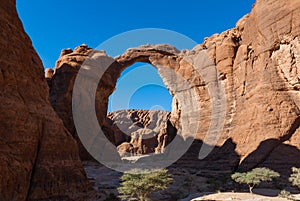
(180, 78)
(175, 68)
(183, 79)
(178, 75)
(255, 75)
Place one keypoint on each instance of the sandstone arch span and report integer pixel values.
(176, 69)
(182, 84)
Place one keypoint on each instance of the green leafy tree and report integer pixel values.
(295, 177)
(254, 177)
(140, 184)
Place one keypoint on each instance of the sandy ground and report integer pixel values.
(238, 196)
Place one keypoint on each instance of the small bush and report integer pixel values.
(254, 177)
(141, 183)
(295, 177)
(286, 194)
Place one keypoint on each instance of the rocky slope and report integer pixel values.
(39, 157)
(141, 131)
(260, 60)
(258, 66)
(61, 91)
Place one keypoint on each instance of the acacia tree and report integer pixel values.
(140, 184)
(295, 177)
(254, 177)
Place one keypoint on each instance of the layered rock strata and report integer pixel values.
(39, 157)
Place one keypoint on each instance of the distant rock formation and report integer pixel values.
(39, 157)
(139, 132)
(258, 63)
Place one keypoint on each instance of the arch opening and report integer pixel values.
(139, 111)
(140, 87)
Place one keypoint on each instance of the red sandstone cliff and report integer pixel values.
(39, 157)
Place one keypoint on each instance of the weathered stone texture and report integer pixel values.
(39, 157)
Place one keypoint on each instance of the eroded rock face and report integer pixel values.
(141, 131)
(258, 65)
(258, 61)
(39, 157)
(62, 83)
(61, 90)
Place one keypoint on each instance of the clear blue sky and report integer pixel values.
(59, 24)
